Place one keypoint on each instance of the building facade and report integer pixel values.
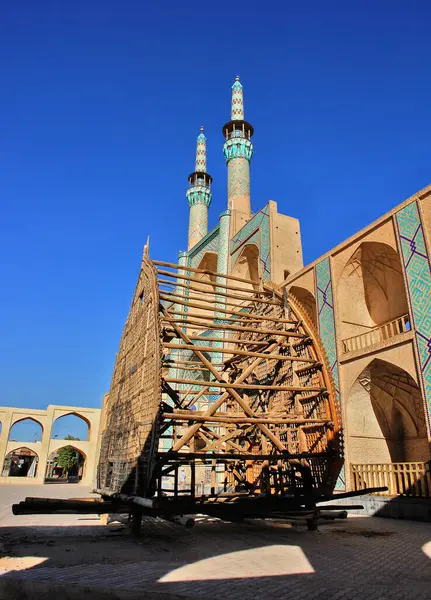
(369, 298)
(24, 461)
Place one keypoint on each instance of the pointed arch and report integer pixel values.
(385, 416)
(206, 283)
(23, 430)
(56, 471)
(20, 462)
(247, 266)
(73, 423)
(307, 299)
(373, 277)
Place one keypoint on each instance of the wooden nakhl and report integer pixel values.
(221, 402)
(261, 424)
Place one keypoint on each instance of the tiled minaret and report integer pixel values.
(238, 151)
(199, 193)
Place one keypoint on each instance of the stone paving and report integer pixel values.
(355, 558)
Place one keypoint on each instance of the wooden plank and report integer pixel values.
(205, 272)
(186, 322)
(208, 457)
(213, 283)
(231, 391)
(219, 419)
(245, 386)
(214, 292)
(235, 351)
(217, 309)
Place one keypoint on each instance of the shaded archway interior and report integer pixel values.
(373, 278)
(20, 462)
(307, 299)
(385, 417)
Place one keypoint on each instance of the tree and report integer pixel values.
(70, 437)
(67, 458)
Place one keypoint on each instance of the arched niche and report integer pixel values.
(206, 283)
(370, 290)
(307, 299)
(247, 266)
(20, 462)
(71, 424)
(56, 471)
(385, 417)
(27, 430)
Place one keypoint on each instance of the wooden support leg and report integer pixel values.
(136, 520)
(312, 522)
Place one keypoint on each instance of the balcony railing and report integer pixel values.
(401, 479)
(378, 334)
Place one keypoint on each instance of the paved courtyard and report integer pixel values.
(77, 557)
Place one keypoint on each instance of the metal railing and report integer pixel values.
(401, 479)
(377, 334)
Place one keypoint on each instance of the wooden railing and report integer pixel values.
(401, 479)
(377, 334)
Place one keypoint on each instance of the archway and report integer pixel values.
(21, 462)
(205, 283)
(72, 426)
(307, 300)
(371, 294)
(385, 417)
(26, 430)
(247, 266)
(66, 464)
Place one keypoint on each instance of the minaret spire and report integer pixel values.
(237, 112)
(199, 193)
(238, 151)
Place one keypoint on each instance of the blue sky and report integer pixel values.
(100, 107)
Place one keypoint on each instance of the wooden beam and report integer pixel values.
(172, 455)
(175, 284)
(214, 308)
(213, 283)
(245, 386)
(246, 408)
(228, 340)
(242, 420)
(173, 363)
(205, 272)
(235, 351)
(195, 315)
(212, 298)
(212, 325)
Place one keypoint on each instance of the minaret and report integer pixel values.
(238, 151)
(199, 193)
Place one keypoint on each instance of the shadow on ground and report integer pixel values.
(357, 557)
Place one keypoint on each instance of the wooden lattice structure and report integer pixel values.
(221, 393)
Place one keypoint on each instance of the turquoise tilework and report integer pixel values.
(326, 319)
(209, 243)
(417, 271)
(257, 230)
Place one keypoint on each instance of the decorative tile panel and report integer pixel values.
(326, 320)
(417, 269)
(238, 180)
(255, 231)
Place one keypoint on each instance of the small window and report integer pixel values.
(142, 298)
(286, 274)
